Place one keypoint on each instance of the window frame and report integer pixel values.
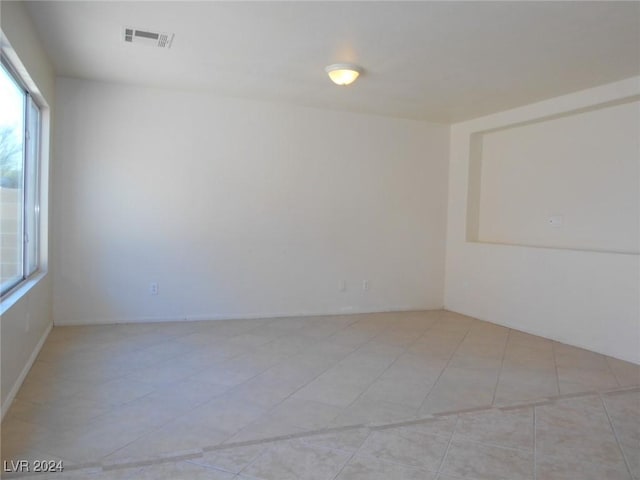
(29, 218)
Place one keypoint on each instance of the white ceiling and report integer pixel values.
(436, 61)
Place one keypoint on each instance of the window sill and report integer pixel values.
(22, 289)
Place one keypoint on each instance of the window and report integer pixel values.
(19, 180)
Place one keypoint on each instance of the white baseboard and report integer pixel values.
(23, 374)
(547, 335)
(245, 316)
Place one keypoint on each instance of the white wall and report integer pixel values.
(582, 167)
(240, 208)
(26, 315)
(584, 298)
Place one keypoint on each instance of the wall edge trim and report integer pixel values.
(23, 374)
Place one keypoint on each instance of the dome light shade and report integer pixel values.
(343, 73)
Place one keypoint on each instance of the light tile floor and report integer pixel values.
(419, 395)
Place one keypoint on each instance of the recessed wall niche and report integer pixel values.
(568, 181)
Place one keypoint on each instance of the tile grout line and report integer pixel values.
(234, 387)
(321, 373)
(405, 350)
(177, 338)
(249, 351)
(466, 441)
(535, 447)
(272, 408)
(615, 434)
(156, 388)
(153, 429)
(267, 448)
(446, 452)
(343, 328)
(504, 354)
(443, 370)
(302, 436)
(355, 452)
(398, 463)
(266, 442)
(555, 365)
(612, 371)
(183, 414)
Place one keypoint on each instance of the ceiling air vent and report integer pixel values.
(146, 37)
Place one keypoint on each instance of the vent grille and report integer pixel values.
(147, 37)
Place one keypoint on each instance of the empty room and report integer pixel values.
(320, 240)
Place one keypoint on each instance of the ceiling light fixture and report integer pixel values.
(343, 73)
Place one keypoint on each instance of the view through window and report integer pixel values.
(19, 186)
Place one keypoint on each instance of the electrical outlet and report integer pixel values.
(342, 286)
(556, 221)
(153, 288)
(365, 285)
